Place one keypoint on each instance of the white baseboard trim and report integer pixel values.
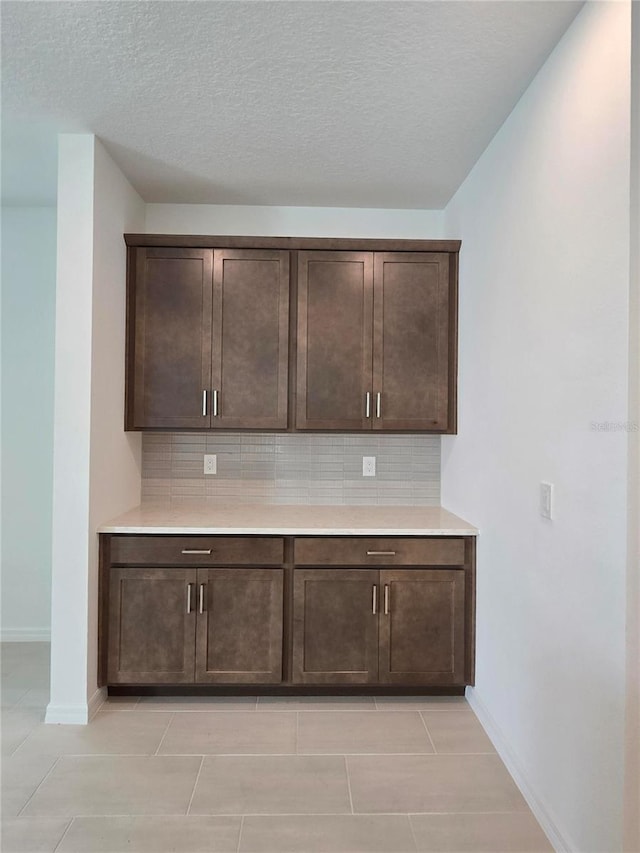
(25, 635)
(558, 839)
(76, 715)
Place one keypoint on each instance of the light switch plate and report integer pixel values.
(210, 463)
(368, 466)
(546, 500)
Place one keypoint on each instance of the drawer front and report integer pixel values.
(196, 550)
(366, 551)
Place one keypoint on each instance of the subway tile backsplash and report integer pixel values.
(292, 468)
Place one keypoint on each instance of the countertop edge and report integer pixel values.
(167, 530)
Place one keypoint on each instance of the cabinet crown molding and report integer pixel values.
(347, 244)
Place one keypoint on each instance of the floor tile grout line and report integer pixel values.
(41, 783)
(297, 733)
(346, 770)
(195, 784)
(157, 752)
(426, 728)
(64, 834)
(413, 833)
(240, 833)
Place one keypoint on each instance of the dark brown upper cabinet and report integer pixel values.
(376, 341)
(208, 339)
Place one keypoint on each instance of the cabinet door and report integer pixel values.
(335, 633)
(335, 312)
(411, 359)
(250, 339)
(422, 627)
(239, 635)
(152, 626)
(169, 356)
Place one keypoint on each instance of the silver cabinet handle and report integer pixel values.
(380, 553)
(189, 592)
(374, 601)
(201, 599)
(378, 404)
(196, 550)
(204, 404)
(368, 405)
(386, 600)
(215, 403)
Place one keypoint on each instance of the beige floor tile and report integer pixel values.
(432, 783)
(197, 703)
(421, 703)
(152, 835)
(367, 732)
(327, 834)
(16, 725)
(20, 777)
(108, 733)
(456, 731)
(120, 703)
(228, 733)
(316, 703)
(478, 833)
(29, 835)
(11, 694)
(104, 785)
(277, 784)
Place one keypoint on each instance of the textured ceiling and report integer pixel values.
(341, 104)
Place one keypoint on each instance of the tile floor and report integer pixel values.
(283, 775)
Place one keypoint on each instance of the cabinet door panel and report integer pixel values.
(422, 634)
(251, 338)
(239, 637)
(411, 340)
(151, 634)
(335, 311)
(172, 338)
(335, 634)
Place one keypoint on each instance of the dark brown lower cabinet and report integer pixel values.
(422, 627)
(239, 626)
(287, 614)
(358, 626)
(179, 626)
(152, 626)
(335, 628)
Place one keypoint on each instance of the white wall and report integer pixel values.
(28, 305)
(292, 221)
(544, 310)
(632, 774)
(96, 467)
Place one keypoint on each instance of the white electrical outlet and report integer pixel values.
(368, 466)
(210, 463)
(546, 500)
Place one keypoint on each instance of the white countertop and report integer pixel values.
(288, 520)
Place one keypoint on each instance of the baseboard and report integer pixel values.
(25, 635)
(559, 840)
(75, 715)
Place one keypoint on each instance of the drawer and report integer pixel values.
(365, 551)
(196, 550)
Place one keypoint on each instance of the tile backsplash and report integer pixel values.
(292, 468)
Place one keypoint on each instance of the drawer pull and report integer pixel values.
(196, 550)
(381, 553)
(386, 599)
(374, 602)
(201, 601)
(189, 592)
